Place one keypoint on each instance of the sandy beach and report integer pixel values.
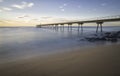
(92, 61)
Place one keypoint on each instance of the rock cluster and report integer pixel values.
(107, 36)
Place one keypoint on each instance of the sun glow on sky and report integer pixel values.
(33, 12)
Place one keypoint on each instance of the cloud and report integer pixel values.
(30, 4)
(94, 9)
(23, 16)
(35, 19)
(1, 10)
(4, 21)
(55, 19)
(7, 8)
(103, 4)
(62, 10)
(65, 4)
(1, 21)
(79, 6)
(23, 5)
(1, 0)
(61, 7)
(46, 17)
(17, 6)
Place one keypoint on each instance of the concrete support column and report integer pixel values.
(48, 26)
(101, 27)
(56, 26)
(62, 26)
(97, 27)
(99, 24)
(70, 26)
(80, 25)
(52, 26)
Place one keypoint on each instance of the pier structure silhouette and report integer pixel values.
(98, 20)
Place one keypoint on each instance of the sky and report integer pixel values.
(33, 12)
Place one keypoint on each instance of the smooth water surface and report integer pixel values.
(16, 43)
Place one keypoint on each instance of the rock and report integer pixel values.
(93, 39)
(118, 34)
(107, 36)
(114, 40)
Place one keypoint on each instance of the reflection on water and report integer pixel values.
(27, 42)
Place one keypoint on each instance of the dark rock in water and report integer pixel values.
(92, 39)
(107, 36)
(114, 40)
(103, 39)
(118, 34)
(110, 35)
(107, 33)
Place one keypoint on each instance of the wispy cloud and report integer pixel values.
(1, 21)
(46, 17)
(7, 8)
(103, 4)
(23, 16)
(65, 4)
(23, 5)
(54, 19)
(79, 6)
(30, 4)
(1, 0)
(62, 8)
(35, 19)
(1, 10)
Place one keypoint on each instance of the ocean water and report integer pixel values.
(25, 42)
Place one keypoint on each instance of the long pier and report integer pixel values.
(99, 21)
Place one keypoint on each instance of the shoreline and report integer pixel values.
(93, 61)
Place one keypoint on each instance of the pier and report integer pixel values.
(99, 22)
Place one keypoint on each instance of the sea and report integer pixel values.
(25, 42)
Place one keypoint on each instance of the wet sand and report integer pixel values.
(93, 61)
